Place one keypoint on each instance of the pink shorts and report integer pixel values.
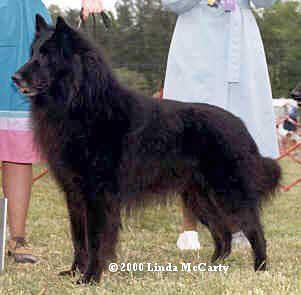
(17, 141)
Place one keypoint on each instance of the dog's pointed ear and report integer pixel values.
(61, 25)
(41, 24)
(64, 35)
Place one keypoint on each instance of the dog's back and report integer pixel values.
(195, 143)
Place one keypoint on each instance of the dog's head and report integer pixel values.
(55, 58)
(296, 93)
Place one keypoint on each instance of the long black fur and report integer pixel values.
(109, 147)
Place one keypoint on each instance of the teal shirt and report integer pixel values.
(17, 29)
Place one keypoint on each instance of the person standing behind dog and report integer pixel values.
(17, 148)
(217, 57)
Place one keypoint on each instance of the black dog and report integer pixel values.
(109, 147)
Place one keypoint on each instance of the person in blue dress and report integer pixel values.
(17, 148)
(217, 57)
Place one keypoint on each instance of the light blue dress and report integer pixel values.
(217, 57)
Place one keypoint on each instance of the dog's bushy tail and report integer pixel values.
(271, 180)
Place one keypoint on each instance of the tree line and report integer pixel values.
(138, 41)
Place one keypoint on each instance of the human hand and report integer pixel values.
(91, 6)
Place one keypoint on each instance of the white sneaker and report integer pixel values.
(188, 240)
(239, 239)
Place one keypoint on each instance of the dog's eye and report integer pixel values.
(44, 50)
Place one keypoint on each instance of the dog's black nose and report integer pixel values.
(17, 78)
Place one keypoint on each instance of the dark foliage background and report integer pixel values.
(138, 42)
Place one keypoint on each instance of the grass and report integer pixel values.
(151, 237)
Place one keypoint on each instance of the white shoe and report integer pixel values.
(239, 239)
(188, 240)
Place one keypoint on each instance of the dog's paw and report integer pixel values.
(88, 279)
(75, 268)
(69, 272)
(216, 256)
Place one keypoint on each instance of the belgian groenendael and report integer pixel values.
(109, 147)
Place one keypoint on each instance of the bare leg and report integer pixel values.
(189, 219)
(16, 183)
(188, 239)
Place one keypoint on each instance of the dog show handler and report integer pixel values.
(217, 57)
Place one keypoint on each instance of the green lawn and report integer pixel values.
(151, 237)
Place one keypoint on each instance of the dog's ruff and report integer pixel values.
(109, 147)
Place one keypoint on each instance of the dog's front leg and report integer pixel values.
(103, 223)
(78, 224)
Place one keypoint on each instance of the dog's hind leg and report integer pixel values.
(222, 239)
(103, 224)
(77, 213)
(219, 225)
(253, 230)
(218, 242)
(209, 215)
